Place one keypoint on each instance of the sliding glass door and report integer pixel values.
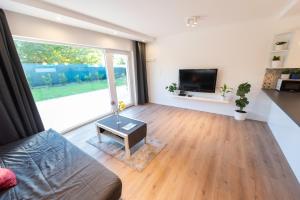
(73, 84)
(122, 78)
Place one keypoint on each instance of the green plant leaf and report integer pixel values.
(243, 89)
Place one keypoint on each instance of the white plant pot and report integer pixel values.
(276, 64)
(176, 92)
(285, 76)
(240, 116)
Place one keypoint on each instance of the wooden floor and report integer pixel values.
(207, 156)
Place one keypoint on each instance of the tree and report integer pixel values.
(119, 60)
(30, 52)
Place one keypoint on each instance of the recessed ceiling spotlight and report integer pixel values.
(193, 21)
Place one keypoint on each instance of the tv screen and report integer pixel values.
(198, 80)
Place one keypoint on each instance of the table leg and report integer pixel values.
(99, 137)
(127, 149)
(99, 134)
(145, 140)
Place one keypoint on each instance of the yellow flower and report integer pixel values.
(122, 105)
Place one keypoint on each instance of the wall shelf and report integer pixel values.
(281, 51)
(214, 99)
(284, 52)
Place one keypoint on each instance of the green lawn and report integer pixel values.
(51, 92)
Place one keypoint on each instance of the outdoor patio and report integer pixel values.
(66, 112)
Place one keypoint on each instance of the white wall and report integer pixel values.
(240, 51)
(31, 27)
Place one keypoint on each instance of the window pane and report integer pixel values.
(68, 83)
(120, 63)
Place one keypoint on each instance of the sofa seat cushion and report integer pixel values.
(48, 166)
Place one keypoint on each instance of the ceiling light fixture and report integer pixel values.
(193, 21)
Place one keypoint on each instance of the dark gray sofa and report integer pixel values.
(48, 166)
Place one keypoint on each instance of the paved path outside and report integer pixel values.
(65, 112)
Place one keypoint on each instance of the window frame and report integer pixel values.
(108, 59)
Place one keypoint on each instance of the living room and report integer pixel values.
(104, 100)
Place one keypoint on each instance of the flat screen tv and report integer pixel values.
(198, 80)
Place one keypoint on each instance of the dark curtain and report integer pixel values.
(141, 72)
(19, 117)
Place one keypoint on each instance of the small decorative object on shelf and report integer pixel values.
(280, 46)
(276, 62)
(172, 88)
(295, 74)
(285, 74)
(225, 89)
(242, 101)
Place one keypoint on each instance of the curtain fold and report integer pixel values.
(19, 117)
(141, 72)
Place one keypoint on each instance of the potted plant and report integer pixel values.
(285, 74)
(280, 46)
(295, 74)
(225, 89)
(242, 101)
(276, 63)
(172, 88)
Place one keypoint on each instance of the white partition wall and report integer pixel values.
(287, 134)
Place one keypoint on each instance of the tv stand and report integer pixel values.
(216, 98)
(182, 93)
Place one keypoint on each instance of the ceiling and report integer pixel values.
(164, 17)
(294, 9)
(155, 18)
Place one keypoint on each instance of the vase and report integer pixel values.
(118, 117)
(240, 116)
(276, 64)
